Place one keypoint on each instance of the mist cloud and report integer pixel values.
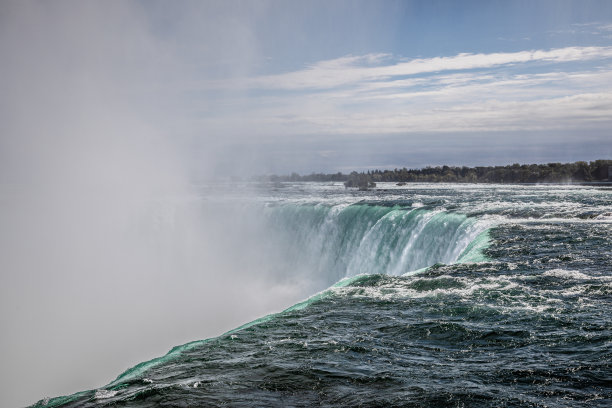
(109, 254)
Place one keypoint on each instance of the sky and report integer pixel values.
(360, 85)
(277, 87)
(111, 111)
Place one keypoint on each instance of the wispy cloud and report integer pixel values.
(596, 29)
(352, 69)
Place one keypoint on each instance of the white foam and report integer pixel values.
(466, 289)
(604, 217)
(565, 274)
(103, 394)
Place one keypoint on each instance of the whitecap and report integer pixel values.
(103, 394)
(566, 274)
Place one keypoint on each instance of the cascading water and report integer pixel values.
(347, 240)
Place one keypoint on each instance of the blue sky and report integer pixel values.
(326, 86)
(319, 31)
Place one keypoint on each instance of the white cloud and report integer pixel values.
(466, 101)
(544, 114)
(346, 71)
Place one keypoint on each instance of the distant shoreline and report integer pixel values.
(598, 172)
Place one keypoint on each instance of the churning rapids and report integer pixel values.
(422, 295)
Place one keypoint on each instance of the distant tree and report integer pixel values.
(597, 170)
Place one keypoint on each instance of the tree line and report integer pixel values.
(581, 171)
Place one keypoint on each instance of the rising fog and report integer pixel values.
(109, 253)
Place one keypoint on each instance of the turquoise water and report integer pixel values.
(425, 295)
